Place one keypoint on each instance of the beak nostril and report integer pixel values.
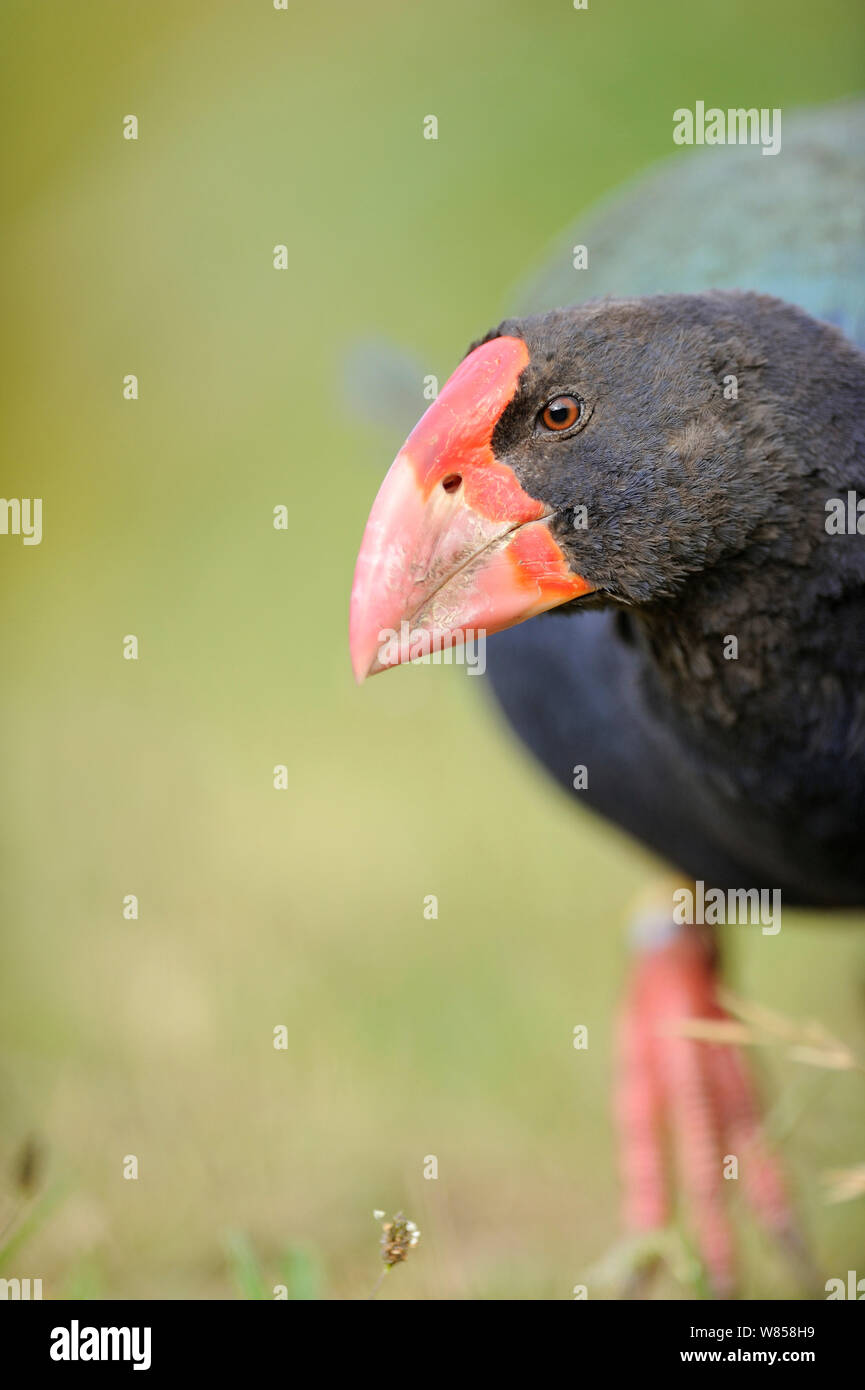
(452, 482)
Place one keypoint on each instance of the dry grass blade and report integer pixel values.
(845, 1184)
(754, 1026)
(714, 1030)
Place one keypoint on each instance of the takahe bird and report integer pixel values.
(661, 468)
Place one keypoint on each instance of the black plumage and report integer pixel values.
(664, 472)
(705, 518)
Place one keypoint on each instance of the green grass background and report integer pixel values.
(406, 1037)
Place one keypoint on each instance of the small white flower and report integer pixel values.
(378, 1215)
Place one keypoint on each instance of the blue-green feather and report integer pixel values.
(718, 217)
(729, 217)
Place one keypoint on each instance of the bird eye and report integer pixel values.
(561, 413)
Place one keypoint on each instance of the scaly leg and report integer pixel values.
(699, 1095)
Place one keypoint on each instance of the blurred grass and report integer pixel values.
(304, 908)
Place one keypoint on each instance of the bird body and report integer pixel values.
(748, 768)
(719, 711)
(665, 481)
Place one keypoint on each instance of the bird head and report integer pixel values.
(604, 454)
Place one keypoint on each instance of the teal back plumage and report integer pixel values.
(729, 217)
(718, 217)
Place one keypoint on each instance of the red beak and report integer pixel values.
(454, 546)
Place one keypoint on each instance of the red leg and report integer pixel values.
(699, 1095)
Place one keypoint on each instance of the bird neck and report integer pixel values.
(758, 655)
